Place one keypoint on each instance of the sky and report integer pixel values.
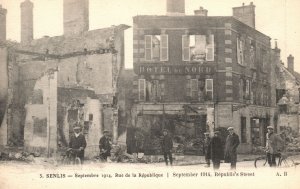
(275, 18)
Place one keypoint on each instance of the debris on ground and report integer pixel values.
(294, 145)
(18, 156)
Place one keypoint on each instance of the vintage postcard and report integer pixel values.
(144, 94)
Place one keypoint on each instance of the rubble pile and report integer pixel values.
(119, 154)
(293, 145)
(18, 156)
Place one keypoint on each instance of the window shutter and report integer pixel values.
(164, 48)
(247, 88)
(194, 88)
(185, 48)
(240, 51)
(188, 87)
(148, 47)
(142, 89)
(210, 49)
(209, 89)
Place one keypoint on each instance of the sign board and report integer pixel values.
(173, 69)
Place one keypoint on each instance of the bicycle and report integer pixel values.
(71, 157)
(283, 161)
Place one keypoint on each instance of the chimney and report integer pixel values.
(201, 12)
(290, 60)
(76, 16)
(245, 14)
(2, 23)
(175, 7)
(26, 22)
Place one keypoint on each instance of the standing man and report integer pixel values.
(216, 150)
(232, 142)
(167, 145)
(274, 146)
(206, 148)
(104, 146)
(78, 142)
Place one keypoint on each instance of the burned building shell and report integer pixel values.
(57, 82)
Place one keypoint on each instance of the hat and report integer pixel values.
(165, 130)
(76, 127)
(230, 128)
(270, 127)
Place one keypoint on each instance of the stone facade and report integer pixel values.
(187, 65)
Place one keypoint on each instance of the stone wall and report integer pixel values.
(3, 81)
(40, 129)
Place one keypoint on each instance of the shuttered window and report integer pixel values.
(240, 51)
(164, 51)
(194, 88)
(210, 48)
(198, 48)
(156, 48)
(142, 89)
(148, 47)
(185, 48)
(209, 89)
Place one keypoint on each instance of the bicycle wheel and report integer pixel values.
(77, 161)
(286, 163)
(260, 162)
(66, 161)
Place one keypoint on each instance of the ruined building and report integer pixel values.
(3, 73)
(57, 82)
(197, 73)
(287, 95)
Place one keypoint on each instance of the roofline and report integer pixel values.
(226, 17)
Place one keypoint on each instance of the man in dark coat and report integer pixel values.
(206, 148)
(104, 146)
(167, 145)
(232, 142)
(216, 150)
(78, 142)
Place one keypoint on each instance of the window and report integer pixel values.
(150, 91)
(40, 127)
(209, 89)
(156, 91)
(91, 117)
(243, 130)
(142, 89)
(156, 47)
(279, 94)
(241, 90)
(240, 51)
(264, 60)
(198, 48)
(247, 92)
(252, 54)
(192, 88)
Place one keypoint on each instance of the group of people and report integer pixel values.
(213, 149)
(77, 141)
